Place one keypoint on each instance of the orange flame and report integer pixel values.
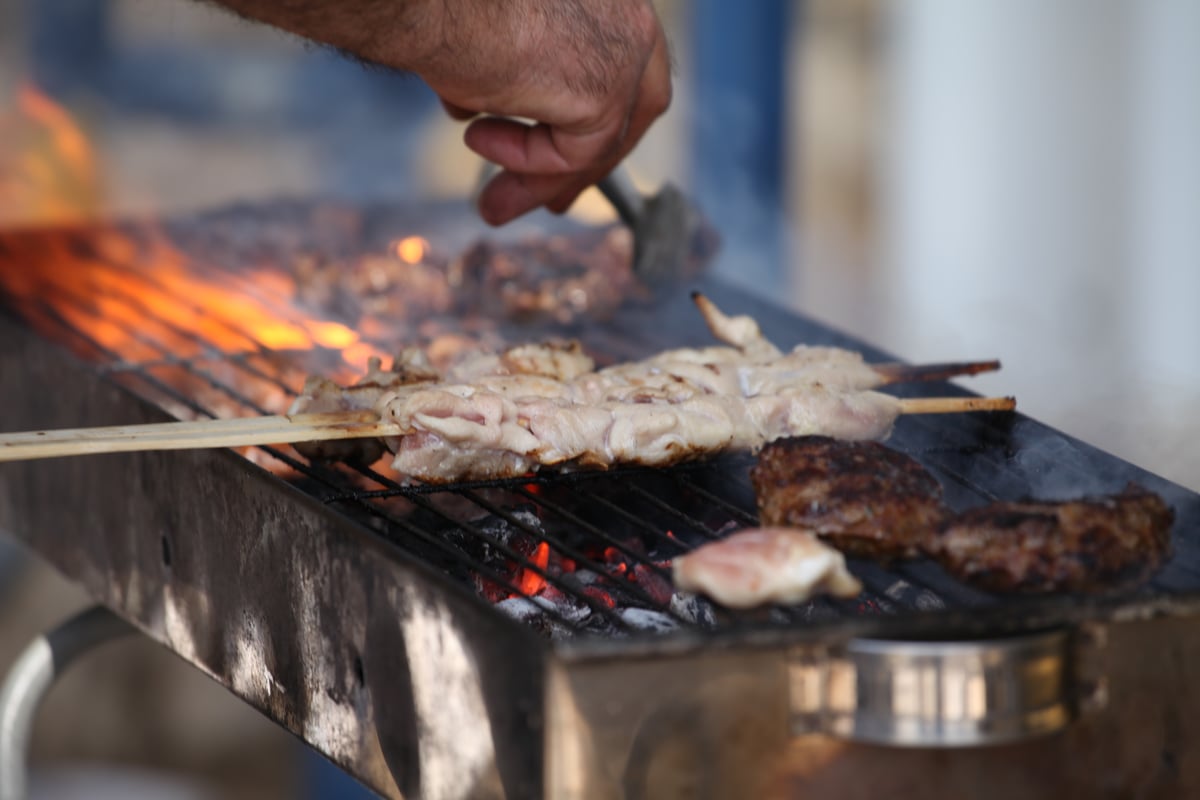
(531, 582)
(128, 295)
(144, 300)
(47, 172)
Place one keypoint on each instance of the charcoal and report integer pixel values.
(643, 619)
(693, 608)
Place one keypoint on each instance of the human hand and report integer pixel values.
(591, 75)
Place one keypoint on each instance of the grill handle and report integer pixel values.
(965, 693)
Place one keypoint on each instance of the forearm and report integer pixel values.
(395, 33)
(449, 42)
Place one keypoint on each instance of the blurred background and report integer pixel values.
(1003, 178)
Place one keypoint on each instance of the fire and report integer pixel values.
(596, 593)
(47, 172)
(411, 249)
(131, 290)
(134, 293)
(333, 335)
(531, 582)
(358, 354)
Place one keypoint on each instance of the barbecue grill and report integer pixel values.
(521, 638)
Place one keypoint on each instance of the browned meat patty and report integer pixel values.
(862, 497)
(1087, 545)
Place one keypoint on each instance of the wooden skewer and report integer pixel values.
(955, 405)
(194, 435)
(248, 431)
(905, 373)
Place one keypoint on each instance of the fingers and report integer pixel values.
(541, 164)
(590, 137)
(509, 195)
(563, 201)
(457, 112)
(527, 149)
(547, 165)
(654, 97)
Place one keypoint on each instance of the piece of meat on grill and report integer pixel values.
(1089, 545)
(323, 396)
(511, 425)
(865, 499)
(497, 415)
(765, 565)
(563, 278)
(560, 278)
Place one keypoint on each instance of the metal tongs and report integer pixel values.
(664, 224)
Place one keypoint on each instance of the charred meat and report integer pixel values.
(561, 278)
(765, 565)
(1089, 545)
(866, 499)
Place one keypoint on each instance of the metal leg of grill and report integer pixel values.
(31, 677)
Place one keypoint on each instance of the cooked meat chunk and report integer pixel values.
(564, 278)
(765, 565)
(862, 497)
(561, 278)
(1088, 545)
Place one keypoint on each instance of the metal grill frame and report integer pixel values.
(942, 444)
(352, 643)
(885, 592)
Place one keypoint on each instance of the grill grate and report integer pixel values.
(582, 553)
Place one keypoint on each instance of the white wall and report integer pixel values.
(1041, 203)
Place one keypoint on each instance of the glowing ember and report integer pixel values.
(411, 249)
(604, 597)
(531, 582)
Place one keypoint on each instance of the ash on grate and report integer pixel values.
(694, 609)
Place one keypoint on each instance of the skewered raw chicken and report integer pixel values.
(506, 414)
(765, 565)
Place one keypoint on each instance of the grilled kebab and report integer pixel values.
(506, 414)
